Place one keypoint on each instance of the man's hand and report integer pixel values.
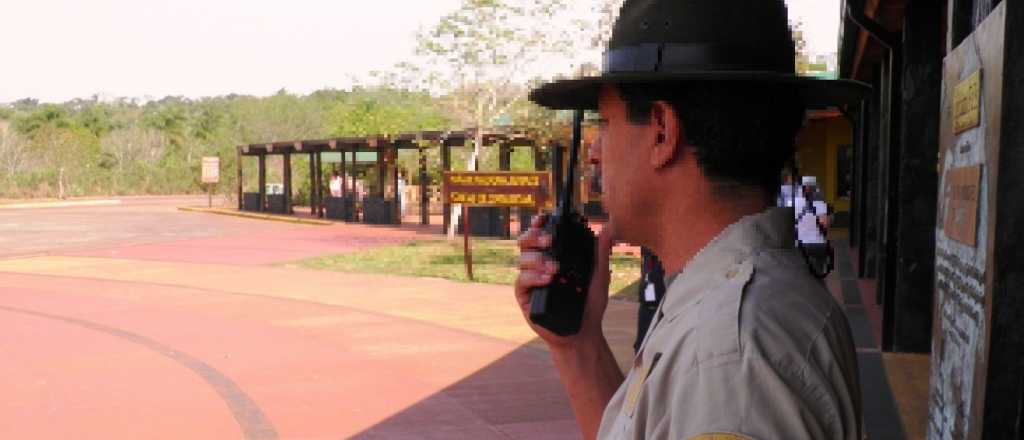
(585, 363)
(536, 269)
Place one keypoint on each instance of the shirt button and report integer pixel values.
(732, 272)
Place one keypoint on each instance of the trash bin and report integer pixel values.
(378, 211)
(251, 202)
(486, 222)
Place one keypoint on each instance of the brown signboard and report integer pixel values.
(963, 186)
(507, 189)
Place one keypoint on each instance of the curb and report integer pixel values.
(256, 216)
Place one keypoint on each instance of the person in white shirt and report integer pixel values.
(335, 184)
(785, 199)
(811, 214)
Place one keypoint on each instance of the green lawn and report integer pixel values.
(494, 261)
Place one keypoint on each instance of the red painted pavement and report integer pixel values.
(95, 359)
(315, 371)
(264, 247)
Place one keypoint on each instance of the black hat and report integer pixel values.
(685, 41)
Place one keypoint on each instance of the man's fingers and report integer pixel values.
(527, 280)
(534, 238)
(537, 261)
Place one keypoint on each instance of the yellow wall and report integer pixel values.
(817, 147)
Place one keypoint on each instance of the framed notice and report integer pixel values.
(211, 169)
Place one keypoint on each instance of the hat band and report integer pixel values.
(671, 57)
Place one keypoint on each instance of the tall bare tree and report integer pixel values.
(13, 151)
(480, 56)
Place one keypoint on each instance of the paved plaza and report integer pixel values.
(137, 320)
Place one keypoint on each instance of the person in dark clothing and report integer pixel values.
(651, 289)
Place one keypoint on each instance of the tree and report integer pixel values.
(481, 55)
(133, 145)
(13, 151)
(385, 111)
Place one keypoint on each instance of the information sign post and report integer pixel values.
(494, 189)
(211, 176)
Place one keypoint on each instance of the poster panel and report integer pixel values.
(969, 152)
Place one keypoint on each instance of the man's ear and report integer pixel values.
(668, 132)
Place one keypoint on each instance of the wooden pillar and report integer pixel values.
(238, 176)
(263, 181)
(319, 184)
(505, 164)
(891, 209)
(381, 172)
(1004, 398)
(287, 171)
(446, 165)
(424, 193)
(312, 184)
(869, 252)
(397, 209)
(855, 196)
(912, 281)
(344, 173)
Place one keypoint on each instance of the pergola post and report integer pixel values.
(287, 171)
(393, 148)
(344, 173)
(312, 184)
(505, 164)
(263, 181)
(381, 171)
(446, 165)
(319, 184)
(238, 175)
(424, 181)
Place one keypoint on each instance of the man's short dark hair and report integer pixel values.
(743, 134)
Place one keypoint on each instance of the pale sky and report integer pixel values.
(56, 50)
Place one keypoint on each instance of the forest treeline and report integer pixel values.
(470, 70)
(90, 147)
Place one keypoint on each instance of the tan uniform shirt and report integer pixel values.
(746, 342)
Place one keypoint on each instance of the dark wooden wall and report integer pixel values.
(912, 281)
(1004, 395)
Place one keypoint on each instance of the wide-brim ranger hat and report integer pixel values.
(687, 41)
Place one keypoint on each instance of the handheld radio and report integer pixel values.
(558, 306)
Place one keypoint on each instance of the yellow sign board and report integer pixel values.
(524, 189)
(967, 103)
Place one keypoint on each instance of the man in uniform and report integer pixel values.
(700, 107)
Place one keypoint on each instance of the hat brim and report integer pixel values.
(582, 93)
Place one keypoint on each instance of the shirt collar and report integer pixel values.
(721, 257)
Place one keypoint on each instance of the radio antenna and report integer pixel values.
(574, 152)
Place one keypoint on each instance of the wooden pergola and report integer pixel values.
(387, 148)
